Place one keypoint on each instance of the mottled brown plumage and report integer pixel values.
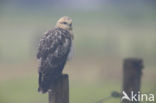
(53, 51)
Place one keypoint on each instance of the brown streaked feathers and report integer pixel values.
(53, 52)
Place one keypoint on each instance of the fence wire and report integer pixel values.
(116, 94)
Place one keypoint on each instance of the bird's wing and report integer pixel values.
(56, 42)
(53, 50)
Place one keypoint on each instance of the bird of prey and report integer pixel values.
(54, 50)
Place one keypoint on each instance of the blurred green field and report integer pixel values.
(25, 90)
(19, 91)
(86, 86)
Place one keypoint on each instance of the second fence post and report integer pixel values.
(132, 72)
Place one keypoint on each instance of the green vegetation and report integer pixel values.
(25, 90)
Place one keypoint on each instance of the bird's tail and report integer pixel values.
(47, 80)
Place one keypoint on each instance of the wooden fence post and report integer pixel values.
(132, 71)
(60, 92)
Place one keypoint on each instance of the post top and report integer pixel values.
(135, 62)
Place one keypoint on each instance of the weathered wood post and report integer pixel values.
(60, 92)
(132, 71)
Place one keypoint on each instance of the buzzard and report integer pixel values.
(54, 50)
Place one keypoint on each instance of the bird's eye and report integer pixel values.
(70, 25)
(64, 22)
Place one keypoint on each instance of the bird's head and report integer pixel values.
(65, 23)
